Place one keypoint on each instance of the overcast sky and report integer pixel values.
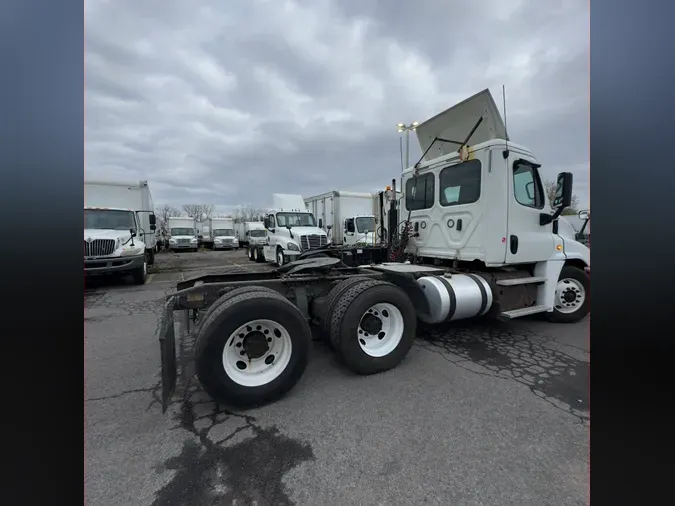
(227, 102)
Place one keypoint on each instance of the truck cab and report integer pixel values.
(112, 244)
(484, 204)
(291, 229)
(256, 235)
(222, 231)
(360, 230)
(183, 234)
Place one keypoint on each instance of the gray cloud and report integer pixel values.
(226, 102)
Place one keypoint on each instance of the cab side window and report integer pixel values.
(527, 187)
(419, 192)
(272, 221)
(350, 225)
(460, 184)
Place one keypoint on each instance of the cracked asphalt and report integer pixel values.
(478, 413)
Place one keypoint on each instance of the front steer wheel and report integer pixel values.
(252, 349)
(140, 275)
(372, 326)
(571, 303)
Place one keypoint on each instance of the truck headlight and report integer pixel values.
(217, 241)
(292, 247)
(172, 241)
(193, 240)
(130, 251)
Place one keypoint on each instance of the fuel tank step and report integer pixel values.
(521, 281)
(517, 313)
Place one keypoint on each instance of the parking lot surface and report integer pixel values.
(489, 414)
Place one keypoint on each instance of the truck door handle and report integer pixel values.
(513, 241)
(459, 225)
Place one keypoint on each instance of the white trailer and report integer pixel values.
(347, 217)
(183, 234)
(135, 196)
(223, 233)
(479, 240)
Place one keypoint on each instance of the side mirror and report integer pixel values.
(584, 215)
(132, 232)
(153, 226)
(153, 220)
(320, 223)
(266, 222)
(329, 227)
(563, 191)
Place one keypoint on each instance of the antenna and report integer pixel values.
(505, 153)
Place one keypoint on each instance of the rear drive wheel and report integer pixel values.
(373, 326)
(151, 257)
(140, 275)
(252, 349)
(571, 303)
(233, 293)
(259, 255)
(331, 300)
(249, 253)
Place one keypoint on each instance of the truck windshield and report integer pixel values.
(182, 231)
(296, 220)
(365, 224)
(256, 233)
(109, 219)
(223, 232)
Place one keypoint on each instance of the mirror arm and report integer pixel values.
(545, 218)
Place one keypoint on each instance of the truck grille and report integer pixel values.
(182, 241)
(99, 247)
(312, 241)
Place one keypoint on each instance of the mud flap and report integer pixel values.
(167, 346)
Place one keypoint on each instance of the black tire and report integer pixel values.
(574, 273)
(233, 293)
(249, 252)
(151, 257)
(329, 305)
(140, 275)
(279, 254)
(346, 317)
(259, 255)
(216, 330)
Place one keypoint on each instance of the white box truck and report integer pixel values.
(119, 229)
(183, 234)
(255, 237)
(347, 217)
(204, 233)
(222, 230)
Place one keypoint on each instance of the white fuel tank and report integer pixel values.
(455, 297)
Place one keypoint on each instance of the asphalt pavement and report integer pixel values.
(477, 414)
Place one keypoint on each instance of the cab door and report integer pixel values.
(270, 247)
(527, 241)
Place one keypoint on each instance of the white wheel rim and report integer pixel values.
(264, 366)
(255, 254)
(570, 295)
(280, 258)
(380, 339)
(145, 269)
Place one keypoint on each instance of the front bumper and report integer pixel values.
(183, 246)
(113, 265)
(225, 245)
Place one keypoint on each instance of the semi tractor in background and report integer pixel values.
(222, 230)
(183, 234)
(119, 229)
(477, 239)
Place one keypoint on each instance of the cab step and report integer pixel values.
(525, 311)
(521, 281)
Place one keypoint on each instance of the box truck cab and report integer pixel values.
(222, 231)
(126, 196)
(112, 244)
(255, 233)
(183, 234)
(291, 229)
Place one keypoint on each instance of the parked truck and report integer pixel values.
(478, 240)
(183, 234)
(205, 238)
(346, 217)
(223, 233)
(243, 230)
(119, 229)
(255, 237)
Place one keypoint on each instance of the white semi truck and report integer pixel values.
(291, 229)
(478, 240)
(224, 237)
(119, 229)
(183, 234)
